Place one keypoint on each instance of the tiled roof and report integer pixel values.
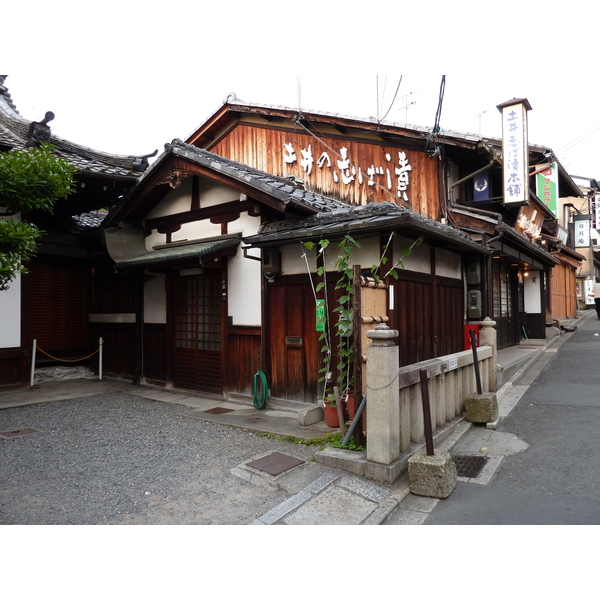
(366, 219)
(278, 187)
(14, 134)
(90, 220)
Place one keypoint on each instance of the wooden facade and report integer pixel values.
(564, 291)
(355, 166)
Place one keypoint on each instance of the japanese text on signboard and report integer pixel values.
(514, 146)
(391, 175)
(582, 231)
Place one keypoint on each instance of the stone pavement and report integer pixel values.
(316, 491)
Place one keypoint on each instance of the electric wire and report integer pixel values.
(393, 101)
(577, 140)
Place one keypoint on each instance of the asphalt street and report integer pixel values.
(549, 469)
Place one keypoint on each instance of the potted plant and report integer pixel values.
(350, 405)
(331, 413)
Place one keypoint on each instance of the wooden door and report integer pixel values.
(292, 342)
(198, 333)
(505, 308)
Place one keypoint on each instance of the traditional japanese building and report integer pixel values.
(54, 303)
(205, 270)
(447, 176)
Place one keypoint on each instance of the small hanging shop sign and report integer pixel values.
(547, 187)
(530, 222)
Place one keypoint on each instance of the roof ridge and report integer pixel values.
(6, 94)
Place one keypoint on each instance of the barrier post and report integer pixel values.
(100, 359)
(33, 363)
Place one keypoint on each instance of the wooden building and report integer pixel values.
(177, 238)
(201, 276)
(54, 303)
(447, 176)
(214, 311)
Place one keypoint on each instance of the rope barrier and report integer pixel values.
(65, 359)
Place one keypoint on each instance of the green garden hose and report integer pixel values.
(261, 378)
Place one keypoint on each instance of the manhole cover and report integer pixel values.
(275, 463)
(16, 432)
(218, 410)
(469, 466)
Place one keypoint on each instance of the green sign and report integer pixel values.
(547, 187)
(320, 315)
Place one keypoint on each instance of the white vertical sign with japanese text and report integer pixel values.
(515, 152)
(582, 231)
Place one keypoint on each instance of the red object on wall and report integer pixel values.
(467, 336)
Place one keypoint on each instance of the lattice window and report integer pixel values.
(198, 314)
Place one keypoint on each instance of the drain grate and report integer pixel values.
(275, 463)
(469, 466)
(218, 410)
(16, 432)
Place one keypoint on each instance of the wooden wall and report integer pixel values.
(265, 149)
(58, 307)
(429, 315)
(243, 359)
(563, 292)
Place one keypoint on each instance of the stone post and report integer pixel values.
(383, 396)
(483, 408)
(487, 337)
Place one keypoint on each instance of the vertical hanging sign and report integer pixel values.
(515, 150)
(547, 187)
(582, 230)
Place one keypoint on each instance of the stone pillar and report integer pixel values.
(487, 337)
(383, 396)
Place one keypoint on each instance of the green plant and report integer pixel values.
(340, 344)
(331, 439)
(343, 348)
(336, 441)
(399, 264)
(34, 179)
(330, 400)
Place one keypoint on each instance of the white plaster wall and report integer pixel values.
(10, 308)
(176, 201)
(448, 264)
(179, 200)
(10, 315)
(293, 261)
(244, 277)
(155, 300)
(531, 292)
(419, 258)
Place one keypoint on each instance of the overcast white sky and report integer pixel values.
(128, 77)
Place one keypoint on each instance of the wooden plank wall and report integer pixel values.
(563, 290)
(243, 359)
(264, 149)
(58, 306)
(427, 316)
(118, 355)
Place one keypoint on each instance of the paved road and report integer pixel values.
(546, 452)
